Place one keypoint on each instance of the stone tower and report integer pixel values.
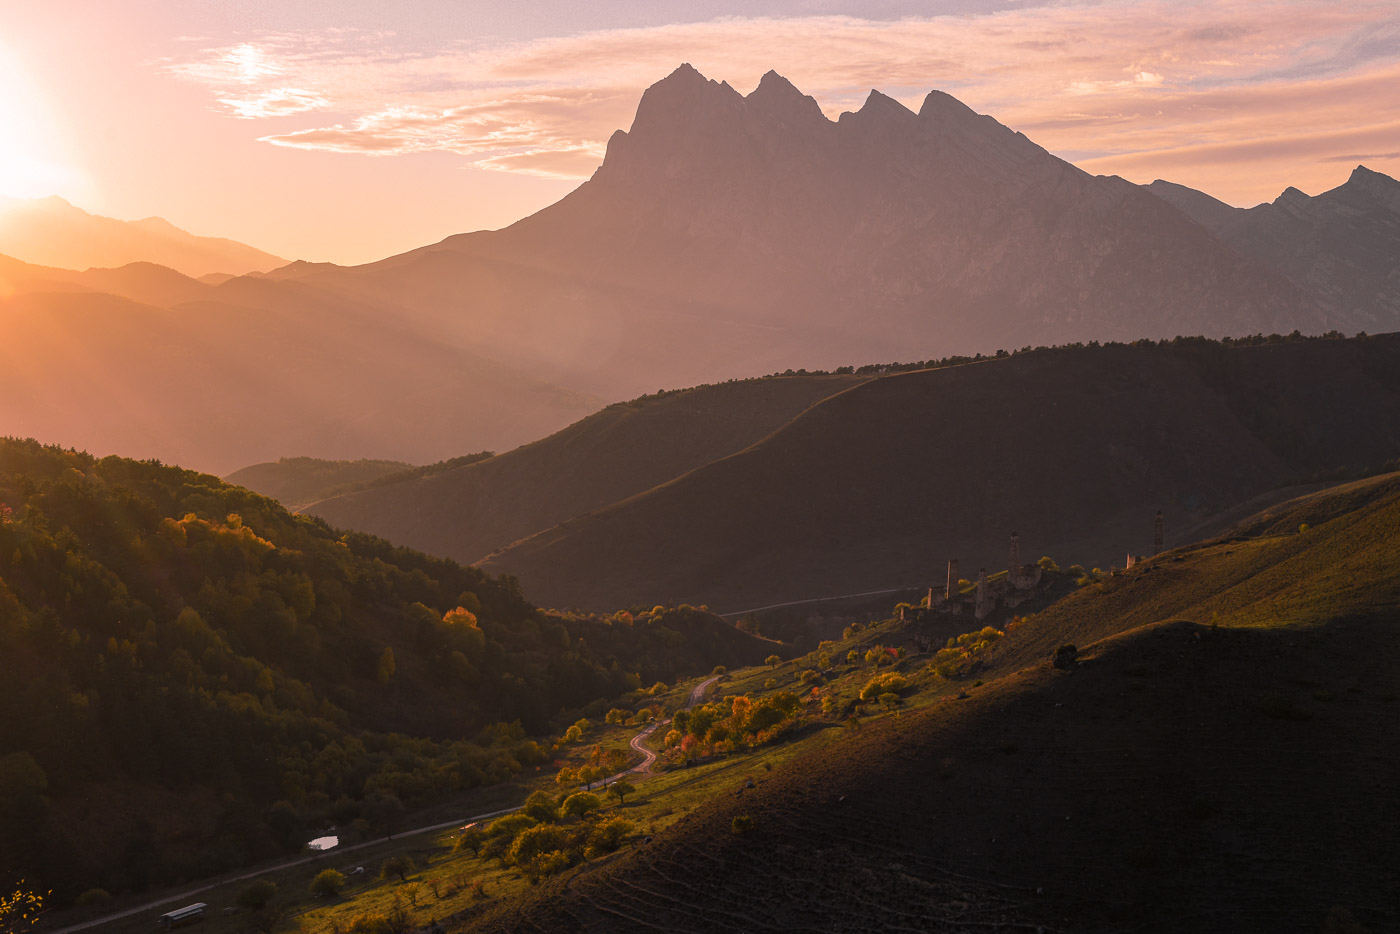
(1015, 566)
(952, 593)
(1157, 535)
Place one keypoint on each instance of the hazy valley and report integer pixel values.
(812, 521)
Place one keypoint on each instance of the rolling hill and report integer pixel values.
(296, 481)
(52, 232)
(144, 362)
(1217, 760)
(1340, 247)
(726, 235)
(1074, 448)
(626, 449)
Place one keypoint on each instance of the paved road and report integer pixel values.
(189, 896)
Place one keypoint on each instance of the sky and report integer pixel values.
(349, 130)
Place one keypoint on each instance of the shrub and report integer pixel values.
(540, 807)
(890, 682)
(544, 838)
(772, 661)
(327, 884)
(545, 864)
(1065, 656)
(256, 896)
(580, 804)
(720, 670)
(397, 865)
(607, 836)
(743, 823)
(470, 838)
(808, 677)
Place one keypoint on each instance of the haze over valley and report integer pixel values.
(544, 469)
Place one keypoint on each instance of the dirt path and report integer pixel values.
(638, 742)
(641, 770)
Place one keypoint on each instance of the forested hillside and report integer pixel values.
(194, 675)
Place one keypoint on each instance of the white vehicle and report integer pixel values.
(187, 915)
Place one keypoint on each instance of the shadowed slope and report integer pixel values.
(1074, 448)
(1181, 777)
(623, 450)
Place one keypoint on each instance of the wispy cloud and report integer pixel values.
(1142, 85)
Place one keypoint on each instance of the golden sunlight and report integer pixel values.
(29, 166)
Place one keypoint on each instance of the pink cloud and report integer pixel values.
(1195, 88)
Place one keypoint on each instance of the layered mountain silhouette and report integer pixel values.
(52, 232)
(726, 235)
(145, 362)
(622, 451)
(877, 486)
(1341, 247)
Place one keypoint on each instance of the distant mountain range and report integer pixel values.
(726, 235)
(1341, 247)
(52, 232)
(144, 362)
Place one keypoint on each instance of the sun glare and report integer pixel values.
(29, 166)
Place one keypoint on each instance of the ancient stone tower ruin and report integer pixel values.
(951, 594)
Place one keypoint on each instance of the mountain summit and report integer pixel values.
(1340, 247)
(726, 234)
(52, 232)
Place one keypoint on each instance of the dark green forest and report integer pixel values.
(194, 677)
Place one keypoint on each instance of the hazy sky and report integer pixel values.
(351, 129)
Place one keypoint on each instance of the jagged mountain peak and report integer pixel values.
(1376, 186)
(879, 105)
(777, 97)
(940, 106)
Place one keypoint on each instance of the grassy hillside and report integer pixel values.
(1218, 759)
(194, 676)
(623, 450)
(1075, 448)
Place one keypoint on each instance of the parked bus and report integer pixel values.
(187, 915)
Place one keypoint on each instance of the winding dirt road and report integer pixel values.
(641, 770)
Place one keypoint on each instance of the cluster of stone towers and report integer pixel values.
(1010, 589)
(1013, 588)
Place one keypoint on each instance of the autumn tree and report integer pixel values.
(400, 864)
(327, 884)
(621, 789)
(580, 804)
